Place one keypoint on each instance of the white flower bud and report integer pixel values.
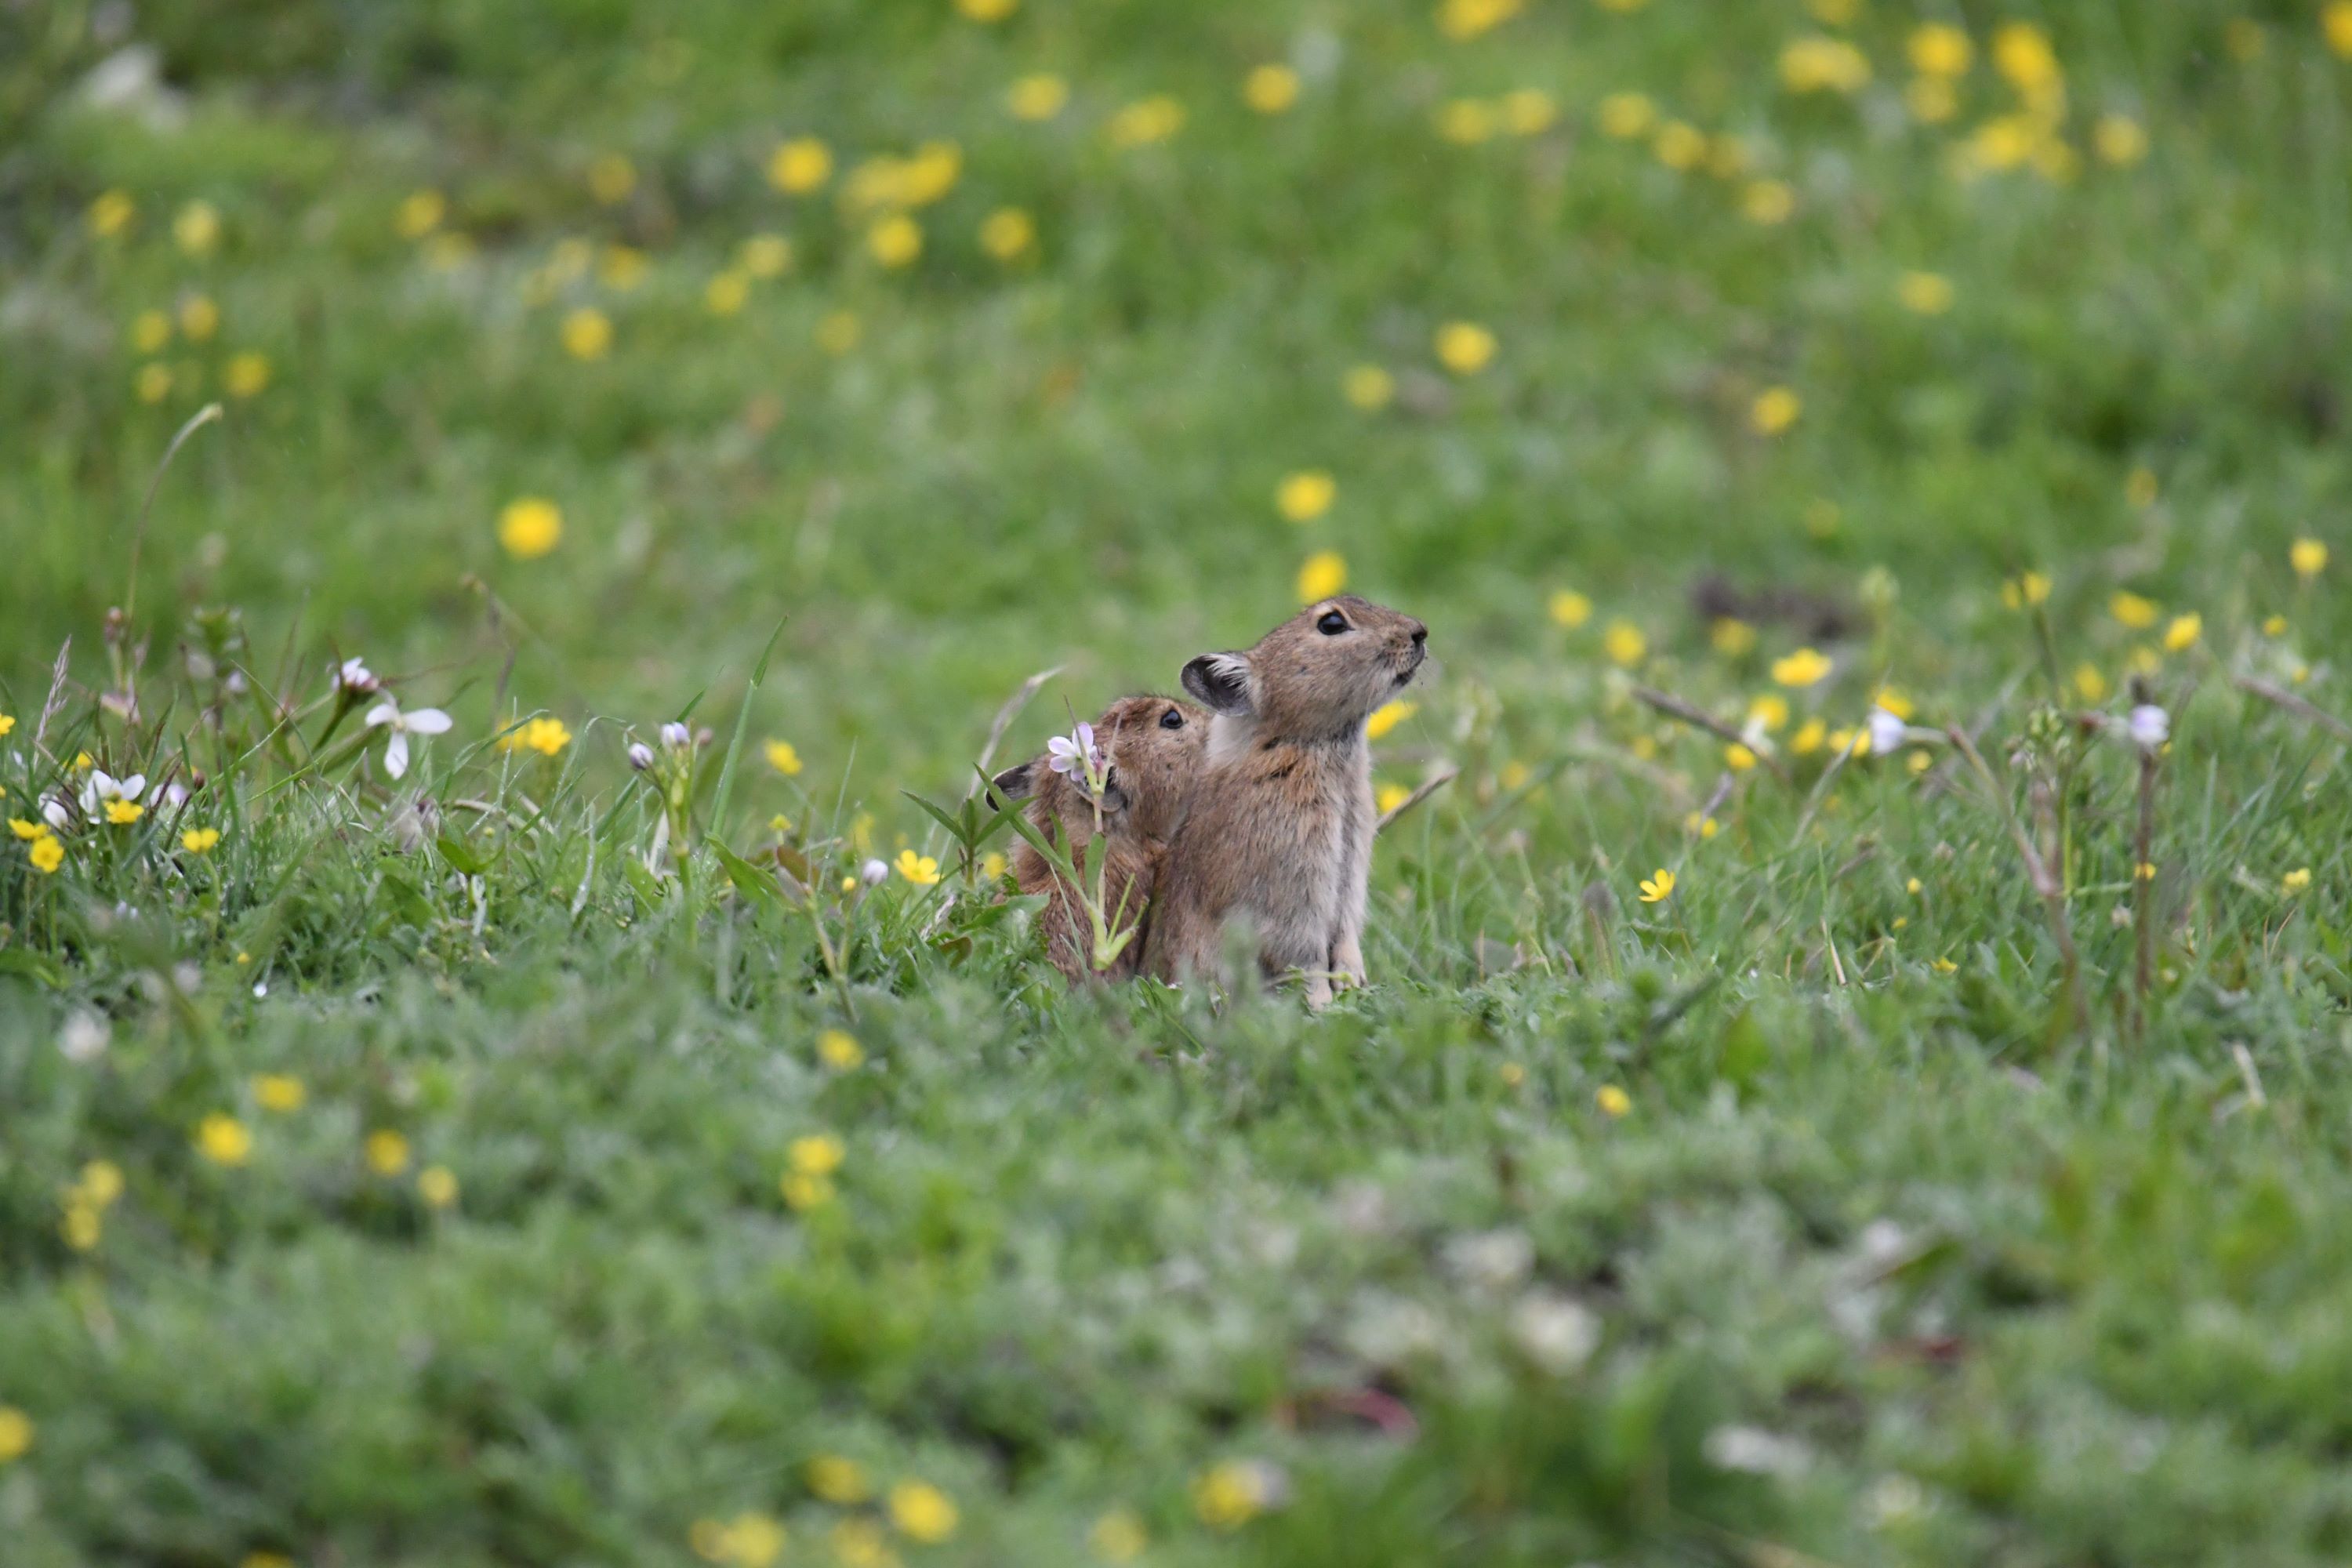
(641, 756)
(354, 677)
(676, 735)
(873, 873)
(1886, 731)
(2150, 726)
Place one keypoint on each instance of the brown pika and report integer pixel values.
(1279, 837)
(1153, 746)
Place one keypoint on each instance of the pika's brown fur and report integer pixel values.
(1280, 833)
(1153, 745)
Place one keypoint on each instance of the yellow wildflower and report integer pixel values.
(1230, 1495)
(1147, 121)
(1818, 64)
(419, 214)
(920, 869)
(1389, 797)
(437, 1185)
(1768, 712)
(199, 319)
(1118, 1536)
(2183, 632)
(530, 526)
(986, 10)
(1731, 637)
(223, 1139)
(2119, 140)
(1931, 99)
(837, 1480)
(1738, 758)
(1775, 409)
(922, 1512)
(199, 840)
(246, 374)
(2140, 486)
(727, 293)
(1806, 666)
(764, 255)
(803, 1192)
(122, 813)
(1008, 234)
(1037, 97)
(1658, 888)
(587, 333)
(1527, 111)
(1943, 966)
(112, 214)
(1322, 574)
(278, 1092)
(896, 240)
(839, 1050)
(1612, 1100)
(1809, 737)
(1939, 50)
(1768, 202)
(860, 1543)
(1270, 89)
(16, 1434)
(2132, 610)
(24, 828)
(611, 178)
(1387, 716)
(1679, 144)
(149, 331)
(801, 165)
(2335, 24)
(783, 757)
(153, 382)
(1305, 496)
(2295, 881)
(1462, 20)
(1466, 348)
(1927, 293)
(1465, 122)
(1570, 608)
(47, 855)
(386, 1152)
(2308, 556)
(1626, 115)
(1624, 644)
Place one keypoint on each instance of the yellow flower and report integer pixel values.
(1118, 1536)
(1679, 144)
(81, 1227)
(1818, 64)
(1230, 1495)
(920, 869)
(1943, 966)
(222, 1139)
(801, 165)
(153, 382)
(1727, 157)
(2308, 556)
(1465, 122)
(1738, 758)
(199, 319)
(992, 865)
(611, 178)
(1368, 387)
(27, 829)
(2025, 590)
(2335, 23)
(112, 214)
(2022, 54)
(1624, 644)
(2183, 632)
(1939, 50)
(278, 1092)
(922, 1512)
(1147, 121)
(1806, 666)
(726, 291)
(1775, 409)
(387, 1152)
(2133, 611)
(1387, 716)
(1931, 99)
(2275, 626)
(245, 374)
(1929, 293)
(419, 214)
(2119, 140)
(530, 526)
(545, 735)
(1704, 827)
(1528, 111)
(986, 10)
(747, 1540)
(1626, 115)
(16, 1434)
(1305, 496)
(1768, 712)
(1513, 775)
(839, 1050)
(122, 813)
(1658, 888)
(1462, 20)
(1389, 797)
(587, 333)
(1767, 202)
(437, 1185)
(1612, 1100)
(896, 240)
(1809, 737)
(47, 855)
(1037, 97)
(101, 1180)
(2140, 488)
(1571, 609)
(149, 331)
(2296, 880)
(1322, 574)
(1466, 348)
(784, 757)
(764, 255)
(199, 840)
(448, 252)
(860, 1543)
(1731, 637)
(1270, 89)
(840, 1481)
(1895, 702)
(1008, 234)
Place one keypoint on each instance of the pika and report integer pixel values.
(1153, 746)
(1280, 833)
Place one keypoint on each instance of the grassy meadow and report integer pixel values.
(1857, 1068)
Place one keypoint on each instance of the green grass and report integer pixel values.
(1909, 1245)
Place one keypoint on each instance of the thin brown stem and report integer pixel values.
(1673, 707)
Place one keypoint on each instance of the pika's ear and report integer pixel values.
(1221, 680)
(1017, 784)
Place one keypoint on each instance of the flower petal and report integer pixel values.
(395, 753)
(386, 712)
(430, 722)
(132, 787)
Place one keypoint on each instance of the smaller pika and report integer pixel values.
(1153, 746)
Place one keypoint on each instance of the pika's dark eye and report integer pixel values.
(1332, 624)
(1172, 720)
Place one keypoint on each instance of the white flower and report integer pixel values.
(57, 813)
(873, 873)
(424, 721)
(1074, 751)
(676, 736)
(102, 788)
(1557, 1334)
(2150, 726)
(354, 677)
(1755, 1451)
(641, 756)
(84, 1037)
(1886, 731)
(175, 794)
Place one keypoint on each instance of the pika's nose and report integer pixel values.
(1419, 635)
